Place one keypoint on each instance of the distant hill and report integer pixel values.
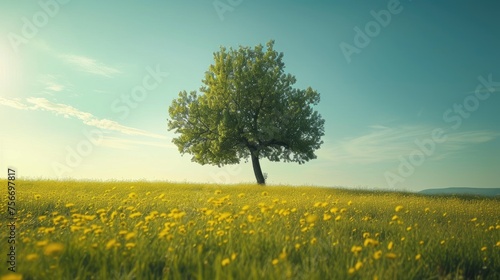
(462, 191)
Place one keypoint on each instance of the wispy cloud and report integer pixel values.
(52, 83)
(14, 103)
(384, 144)
(90, 65)
(68, 111)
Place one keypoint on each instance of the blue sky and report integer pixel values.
(410, 89)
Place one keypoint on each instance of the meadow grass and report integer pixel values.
(147, 230)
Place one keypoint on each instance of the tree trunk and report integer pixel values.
(256, 169)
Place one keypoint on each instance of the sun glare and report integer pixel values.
(7, 71)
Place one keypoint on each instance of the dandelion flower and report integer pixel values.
(484, 248)
(275, 261)
(311, 218)
(12, 276)
(130, 245)
(398, 208)
(358, 265)
(225, 261)
(132, 195)
(53, 249)
(418, 257)
(112, 243)
(356, 249)
(42, 243)
(390, 245)
(233, 256)
(37, 196)
(377, 255)
(351, 270)
(32, 257)
(130, 235)
(370, 242)
(68, 205)
(391, 256)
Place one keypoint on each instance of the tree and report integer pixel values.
(248, 108)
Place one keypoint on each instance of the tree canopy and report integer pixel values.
(247, 107)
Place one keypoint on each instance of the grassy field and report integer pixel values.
(140, 230)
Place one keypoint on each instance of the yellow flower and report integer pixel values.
(395, 217)
(132, 195)
(275, 261)
(371, 242)
(297, 246)
(233, 256)
(264, 193)
(37, 196)
(313, 240)
(42, 243)
(12, 276)
(358, 265)
(130, 245)
(398, 208)
(326, 217)
(390, 245)
(351, 270)
(130, 235)
(484, 248)
(135, 215)
(377, 255)
(498, 244)
(338, 218)
(312, 218)
(53, 249)
(356, 249)
(473, 219)
(32, 257)
(218, 192)
(391, 256)
(112, 243)
(241, 195)
(226, 261)
(418, 257)
(68, 205)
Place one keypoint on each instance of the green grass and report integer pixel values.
(143, 230)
